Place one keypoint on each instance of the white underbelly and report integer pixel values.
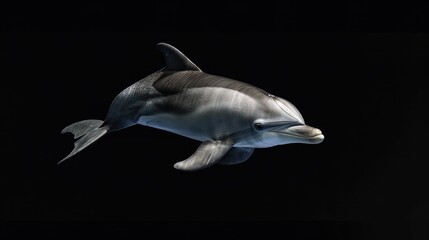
(197, 128)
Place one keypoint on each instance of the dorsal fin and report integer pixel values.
(175, 60)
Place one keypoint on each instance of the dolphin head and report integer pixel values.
(285, 125)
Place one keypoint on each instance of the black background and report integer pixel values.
(355, 69)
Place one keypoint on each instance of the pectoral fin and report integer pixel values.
(207, 154)
(236, 155)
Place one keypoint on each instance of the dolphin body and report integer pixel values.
(229, 117)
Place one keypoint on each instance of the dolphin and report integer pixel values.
(229, 117)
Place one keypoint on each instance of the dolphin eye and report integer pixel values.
(258, 126)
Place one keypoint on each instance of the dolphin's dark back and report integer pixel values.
(176, 82)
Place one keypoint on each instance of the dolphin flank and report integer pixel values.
(229, 117)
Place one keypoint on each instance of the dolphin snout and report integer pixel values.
(306, 133)
(317, 136)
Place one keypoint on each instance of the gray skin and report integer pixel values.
(229, 117)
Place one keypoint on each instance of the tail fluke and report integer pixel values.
(86, 132)
(81, 128)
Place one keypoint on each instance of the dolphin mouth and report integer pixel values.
(305, 133)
